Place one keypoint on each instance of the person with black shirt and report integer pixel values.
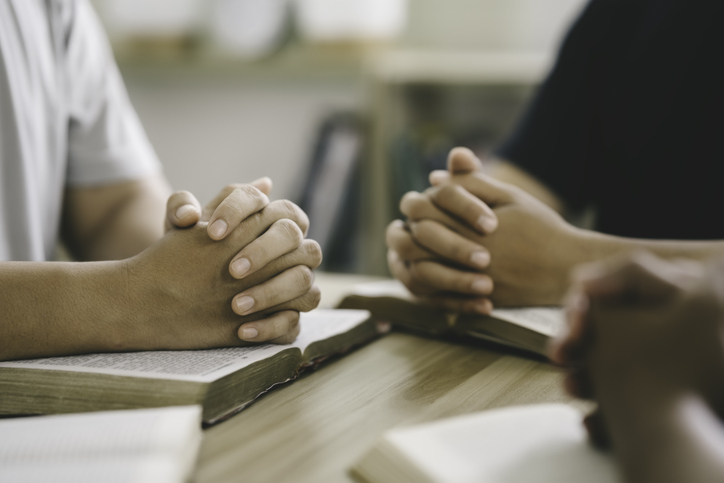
(626, 126)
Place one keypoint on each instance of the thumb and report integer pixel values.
(263, 184)
(463, 161)
(182, 210)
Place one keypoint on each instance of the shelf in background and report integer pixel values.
(491, 67)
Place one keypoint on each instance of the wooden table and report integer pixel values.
(314, 429)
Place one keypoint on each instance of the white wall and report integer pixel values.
(209, 130)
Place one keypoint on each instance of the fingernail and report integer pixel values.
(482, 285)
(480, 259)
(185, 211)
(248, 333)
(218, 228)
(244, 304)
(487, 224)
(240, 267)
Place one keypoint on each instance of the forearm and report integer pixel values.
(675, 440)
(115, 222)
(593, 246)
(55, 308)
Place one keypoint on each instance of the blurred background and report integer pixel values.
(345, 104)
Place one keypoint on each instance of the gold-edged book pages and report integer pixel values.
(222, 381)
(526, 328)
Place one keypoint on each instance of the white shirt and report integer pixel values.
(65, 120)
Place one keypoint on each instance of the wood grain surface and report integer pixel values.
(314, 429)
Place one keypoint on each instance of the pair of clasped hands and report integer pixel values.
(240, 248)
(471, 241)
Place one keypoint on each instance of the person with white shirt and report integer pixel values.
(76, 166)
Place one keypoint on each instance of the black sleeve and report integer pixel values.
(556, 138)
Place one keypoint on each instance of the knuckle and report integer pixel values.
(394, 233)
(313, 252)
(407, 199)
(292, 327)
(287, 209)
(233, 203)
(406, 247)
(290, 230)
(251, 192)
(311, 299)
(304, 276)
(446, 192)
(425, 229)
(458, 252)
(463, 284)
(418, 271)
(292, 318)
(410, 203)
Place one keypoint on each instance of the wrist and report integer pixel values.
(95, 305)
(635, 400)
(576, 249)
(120, 316)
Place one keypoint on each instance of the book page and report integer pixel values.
(327, 324)
(199, 365)
(545, 320)
(133, 445)
(543, 443)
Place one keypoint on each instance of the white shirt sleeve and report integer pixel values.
(106, 142)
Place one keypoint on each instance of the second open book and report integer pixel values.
(529, 329)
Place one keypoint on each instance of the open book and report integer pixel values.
(542, 443)
(523, 328)
(223, 381)
(141, 446)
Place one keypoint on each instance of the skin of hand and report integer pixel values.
(645, 339)
(446, 270)
(232, 206)
(528, 252)
(210, 299)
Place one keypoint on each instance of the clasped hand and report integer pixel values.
(644, 335)
(266, 279)
(470, 241)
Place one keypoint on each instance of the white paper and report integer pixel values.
(115, 446)
(199, 365)
(542, 443)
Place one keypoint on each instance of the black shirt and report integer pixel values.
(631, 119)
